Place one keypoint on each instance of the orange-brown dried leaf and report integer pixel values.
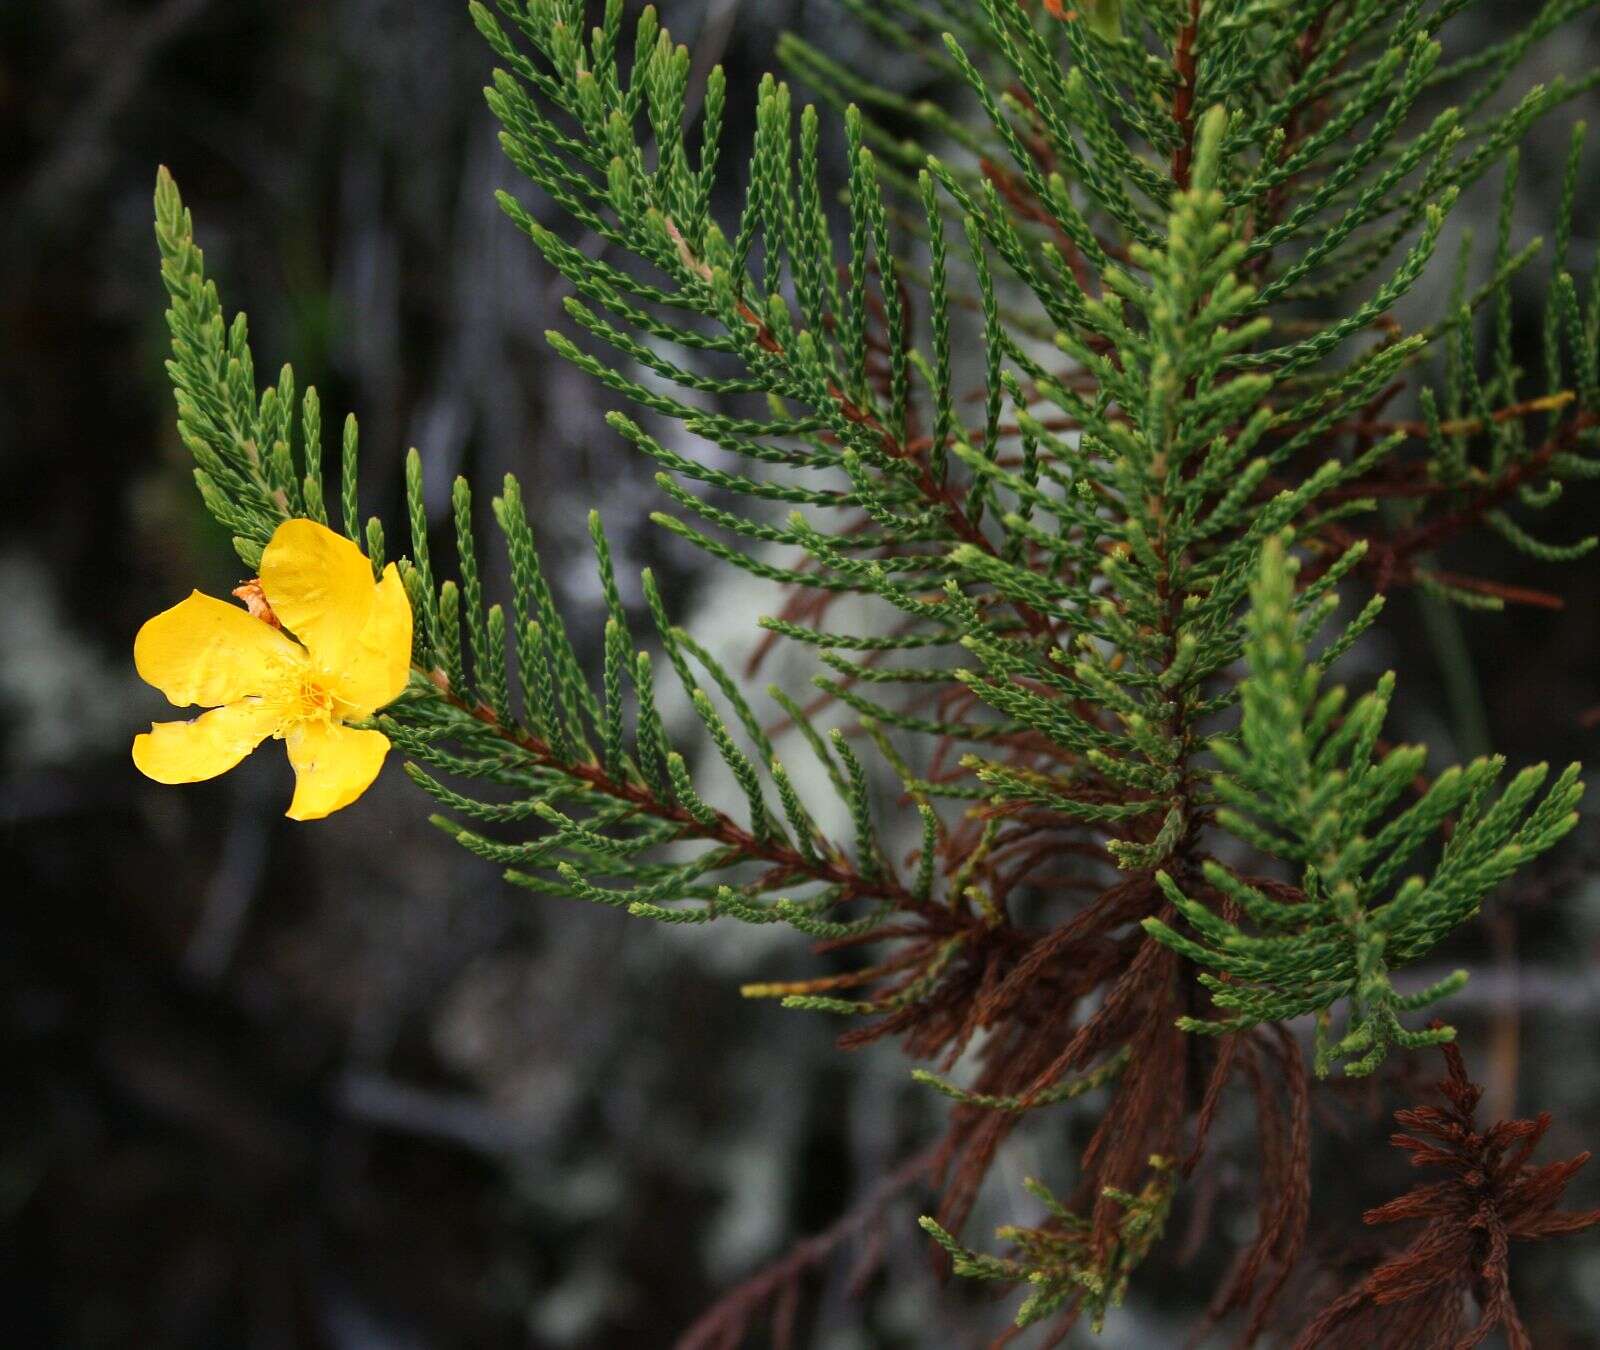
(1492, 1198)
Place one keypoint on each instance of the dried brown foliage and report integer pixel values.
(1492, 1196)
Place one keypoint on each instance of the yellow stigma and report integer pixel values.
(313, 701)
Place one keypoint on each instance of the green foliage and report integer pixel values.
(1304, 782)
(1061, 1261)
(1090, 345)
(612, 797)
(243, 443)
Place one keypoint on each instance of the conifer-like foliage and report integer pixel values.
(1301, 783)
(1092, 356)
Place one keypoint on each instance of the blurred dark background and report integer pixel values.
(268, 1085)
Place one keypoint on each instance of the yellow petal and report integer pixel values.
(206, 651)
(357, 631)
(333, 765)
(377, 666)
(188, 752)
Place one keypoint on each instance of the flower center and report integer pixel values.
(313, 702)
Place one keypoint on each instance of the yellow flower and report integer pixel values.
(353, 656)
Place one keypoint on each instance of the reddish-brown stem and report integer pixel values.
(1183, 63)
(938, 493)
(1465, 426)
(831, 869)
(1424, 539)
(728, 1321)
